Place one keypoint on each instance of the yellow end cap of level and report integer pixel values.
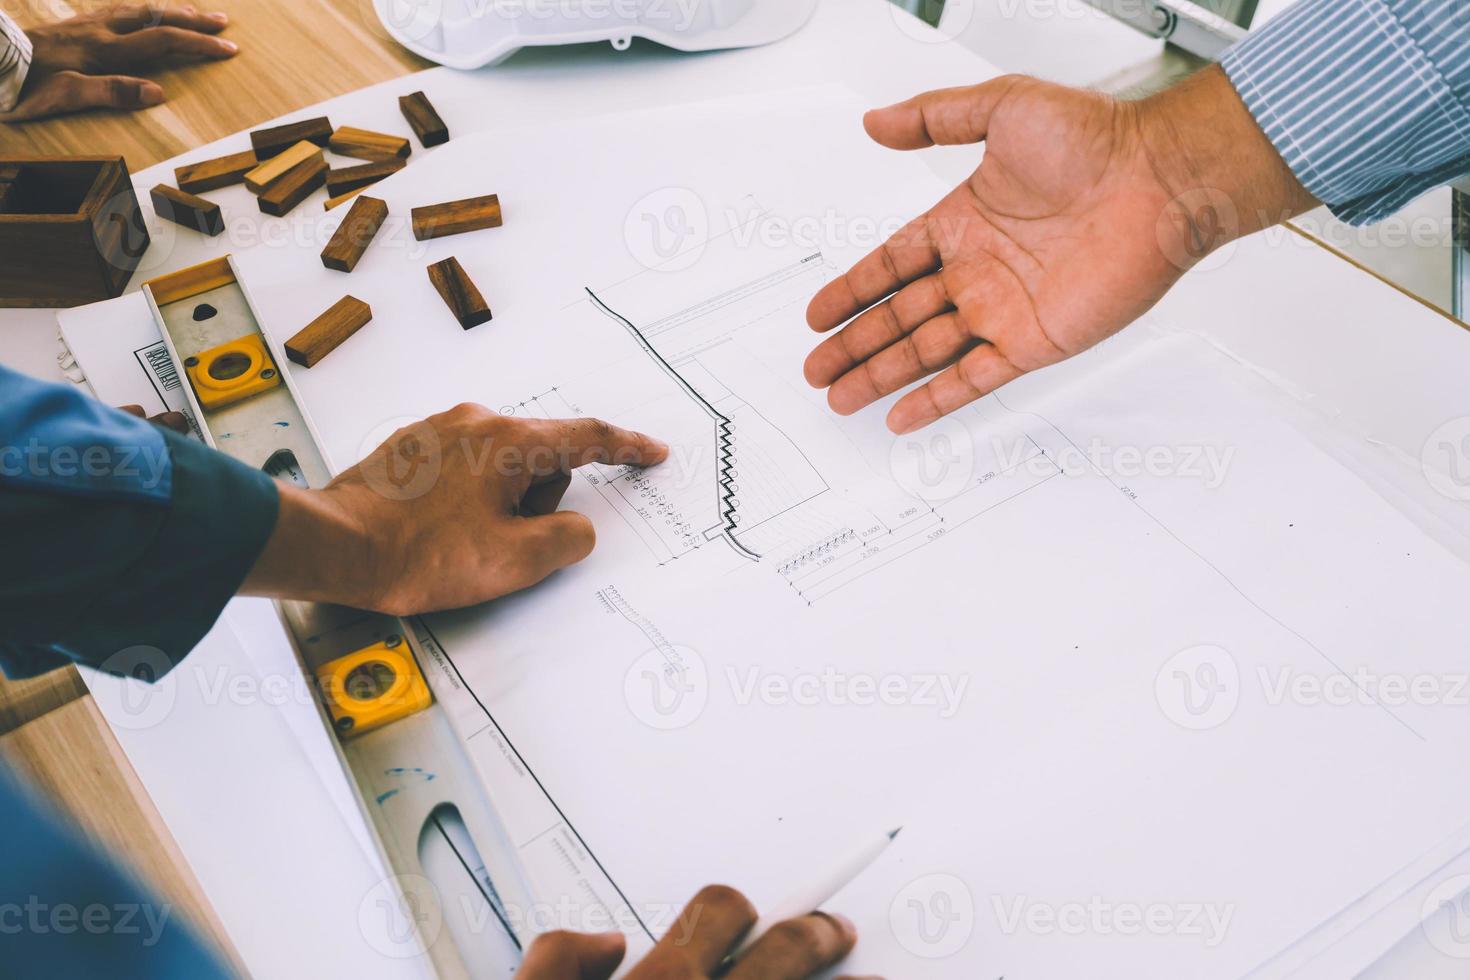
(232, 371)
(370, 687)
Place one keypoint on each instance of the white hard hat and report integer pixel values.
(471, 33)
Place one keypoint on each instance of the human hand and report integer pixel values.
(91, 61)
(1084, 211)
(450, 511)
(176, 421)
(697, 944)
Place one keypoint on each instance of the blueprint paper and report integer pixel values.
(1120, 647)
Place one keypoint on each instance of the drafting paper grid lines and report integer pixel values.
(753, 486)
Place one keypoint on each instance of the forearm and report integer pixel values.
(1226, 176)
(318, 552)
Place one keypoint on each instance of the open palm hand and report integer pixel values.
(1071, 228)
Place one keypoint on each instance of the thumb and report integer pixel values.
(70, 91)
(944, 117)
(572, 956)
(553, 541)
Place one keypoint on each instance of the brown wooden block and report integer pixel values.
(188, 210)
(354, 234)
(324, 334)
(365, 144)
(268, 142)
(262, 176)
(332, 202)
(71, 231)
(459, 293)
(208, 175)
(340, 180)
(427, 125)
(456, 217)
(279, 198)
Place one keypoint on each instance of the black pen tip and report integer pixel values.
(894, 832)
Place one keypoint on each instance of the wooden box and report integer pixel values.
(71, 231)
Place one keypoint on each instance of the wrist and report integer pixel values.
(318, 552)
(1215, 162)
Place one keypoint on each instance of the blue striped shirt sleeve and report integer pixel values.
(1368, 101)
(15, 61)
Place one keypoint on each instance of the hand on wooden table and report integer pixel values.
(93, 61)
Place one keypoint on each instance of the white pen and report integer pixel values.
(809, 899)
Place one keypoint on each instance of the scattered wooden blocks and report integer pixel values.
(365, 144)
(459, 293)
(455, 217)
(290, 190)
(188, 210)
(340, 180)
(208, 175)
(325, 334)
(427, 125)
(268, 142)
(261, 177)
(354, 234)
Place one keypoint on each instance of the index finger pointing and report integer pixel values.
(906, 256)
(586, 441)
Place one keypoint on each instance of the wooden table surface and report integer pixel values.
(293, 53)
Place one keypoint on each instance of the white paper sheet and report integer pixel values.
(1132, 660)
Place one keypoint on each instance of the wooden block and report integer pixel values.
(368, 145)
(340, 180)
(188, 210)
(354, 234)
(324, 334)
(261, 177)
(291, 190)
(208, 175)
(268, 142)
(332, 202)
(459, 293)
(455, 217)
(427, 125)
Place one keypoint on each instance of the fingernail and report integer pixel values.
(149, 94)
(843, 923)
(219, 17)
(229, 46)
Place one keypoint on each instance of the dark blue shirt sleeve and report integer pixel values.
(121, 536)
